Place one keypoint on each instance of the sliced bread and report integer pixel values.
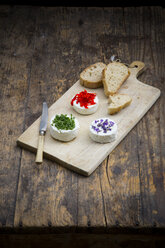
(118, 102)
(114, 75)
(91, 77)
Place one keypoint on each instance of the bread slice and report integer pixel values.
(114, 75)
(91, 77)
(118, 102)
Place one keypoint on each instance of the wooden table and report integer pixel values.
(42, 52)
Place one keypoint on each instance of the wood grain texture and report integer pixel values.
(53, 45)
(149, 128)
(16, 49)
(47, 74)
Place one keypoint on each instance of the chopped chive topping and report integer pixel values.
(63, 122)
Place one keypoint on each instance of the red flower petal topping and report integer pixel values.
(84, 98)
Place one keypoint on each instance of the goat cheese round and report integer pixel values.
(85, 103)
(63, 134)
(103, 130)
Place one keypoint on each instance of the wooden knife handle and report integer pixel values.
(39, 156)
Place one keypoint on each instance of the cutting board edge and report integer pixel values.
(54, 159)
(93, 167)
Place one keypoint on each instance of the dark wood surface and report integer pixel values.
(42, 52)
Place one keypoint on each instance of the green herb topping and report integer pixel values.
(64, 122)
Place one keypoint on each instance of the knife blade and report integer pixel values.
(42, 131)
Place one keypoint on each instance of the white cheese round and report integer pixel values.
(64, 135)
(103, 130)
(86, 111)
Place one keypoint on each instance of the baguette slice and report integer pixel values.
(91, 77)
(118, 102)
(114, 75)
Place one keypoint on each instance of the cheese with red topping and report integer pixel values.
(85, 103)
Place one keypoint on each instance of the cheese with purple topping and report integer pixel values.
(103, 130)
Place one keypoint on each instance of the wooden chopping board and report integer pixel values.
(83, 155)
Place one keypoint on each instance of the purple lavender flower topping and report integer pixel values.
(102, 125)
(96, 129)
(93, 127)
(111, 123)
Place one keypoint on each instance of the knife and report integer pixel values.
(42, 131)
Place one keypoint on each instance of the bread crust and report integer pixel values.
(91, 84)
(107, 93)
(114, 110)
